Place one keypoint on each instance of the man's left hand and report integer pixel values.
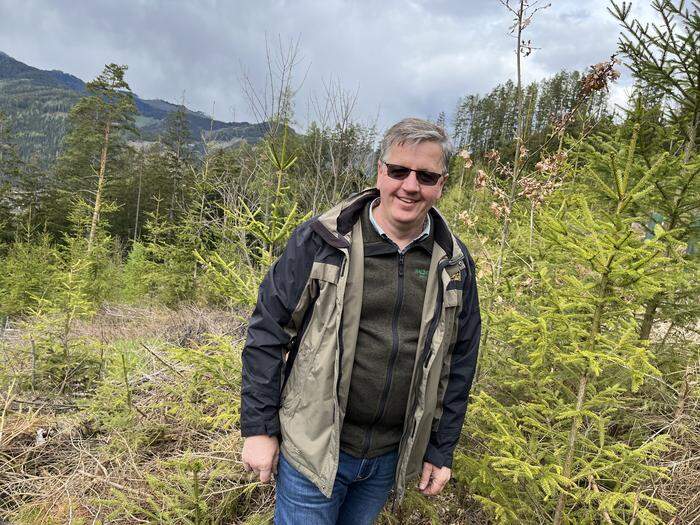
(433, 479)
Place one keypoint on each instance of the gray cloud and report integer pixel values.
(405, 57)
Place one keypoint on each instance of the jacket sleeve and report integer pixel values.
(269, 332)
(444, 439)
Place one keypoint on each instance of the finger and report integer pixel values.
(432, 489)
(265, 475)
(275, 462)
(438, 484)
(425, 476)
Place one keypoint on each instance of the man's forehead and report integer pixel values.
(425, 151)
(413, 144)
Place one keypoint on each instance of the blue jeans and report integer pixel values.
(361, 488)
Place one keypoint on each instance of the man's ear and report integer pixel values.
(441, 185)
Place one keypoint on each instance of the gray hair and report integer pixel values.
(415, 131)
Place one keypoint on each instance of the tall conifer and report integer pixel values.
(99, 124)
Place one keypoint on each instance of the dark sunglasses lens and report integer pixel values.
(397, 172)
(428, 178)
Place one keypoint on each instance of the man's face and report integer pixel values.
(405, 203)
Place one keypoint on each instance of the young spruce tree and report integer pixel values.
(553, 441)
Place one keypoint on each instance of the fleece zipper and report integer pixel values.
(393, 356)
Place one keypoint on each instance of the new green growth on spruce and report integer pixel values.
(555, 442)
(258, 233)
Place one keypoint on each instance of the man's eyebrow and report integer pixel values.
(414, 169)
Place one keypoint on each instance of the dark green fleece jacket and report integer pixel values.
(392, 305)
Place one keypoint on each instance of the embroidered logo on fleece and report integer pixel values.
(422, 273)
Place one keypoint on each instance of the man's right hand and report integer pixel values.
(260, 454)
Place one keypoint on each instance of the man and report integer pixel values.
(363, 344)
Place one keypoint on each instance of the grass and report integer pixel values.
(146, 430)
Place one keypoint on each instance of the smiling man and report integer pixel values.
(362, 348)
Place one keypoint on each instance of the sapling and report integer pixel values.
(553, 442)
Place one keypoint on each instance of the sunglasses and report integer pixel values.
(426, 178)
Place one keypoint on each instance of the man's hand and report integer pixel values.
(433, 479)
(260, 454)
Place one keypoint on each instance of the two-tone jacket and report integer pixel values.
(298, 356)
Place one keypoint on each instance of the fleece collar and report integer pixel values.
(335, 225)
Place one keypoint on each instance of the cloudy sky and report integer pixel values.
(410, 57)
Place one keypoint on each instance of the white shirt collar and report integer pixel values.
(382, 233)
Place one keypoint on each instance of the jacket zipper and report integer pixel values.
(425, 356)
(392, 357)
(341, 346)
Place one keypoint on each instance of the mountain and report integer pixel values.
(38, 101)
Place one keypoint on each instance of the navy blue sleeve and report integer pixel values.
(269, 334)
(444, 439)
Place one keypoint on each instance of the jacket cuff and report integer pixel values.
(437, 458)
(269, 428)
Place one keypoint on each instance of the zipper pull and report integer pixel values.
(401, 256)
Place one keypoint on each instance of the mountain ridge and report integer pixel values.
(37, 101)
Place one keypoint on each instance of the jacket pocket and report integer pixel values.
(306, 366)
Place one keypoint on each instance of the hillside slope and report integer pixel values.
(38, 101)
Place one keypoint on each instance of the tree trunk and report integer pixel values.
(648, 319)
(100, 187)
(138, 206)
(518, 143)
(581, 395)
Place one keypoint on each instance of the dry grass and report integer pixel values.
(683, 460)
(174, 455)
(170, 458)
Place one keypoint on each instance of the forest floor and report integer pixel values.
(134, 419)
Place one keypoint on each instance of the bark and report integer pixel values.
(138, 207)
(648, 319)
(100, 187)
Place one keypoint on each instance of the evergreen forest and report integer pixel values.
(129, 268)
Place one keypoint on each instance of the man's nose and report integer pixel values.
(410, 183)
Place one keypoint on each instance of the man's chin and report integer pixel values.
(409, 220)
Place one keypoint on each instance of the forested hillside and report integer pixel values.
(127, 275)
(488, 122)
(37, 104)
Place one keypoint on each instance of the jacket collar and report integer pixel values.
(335, 225)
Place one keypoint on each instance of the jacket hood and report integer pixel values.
(334, 226)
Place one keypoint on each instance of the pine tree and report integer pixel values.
(254, 236)
(177, 139)
(663, 56)
(11, 168)
(99, 126)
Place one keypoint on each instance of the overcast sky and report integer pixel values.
(403, 58)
